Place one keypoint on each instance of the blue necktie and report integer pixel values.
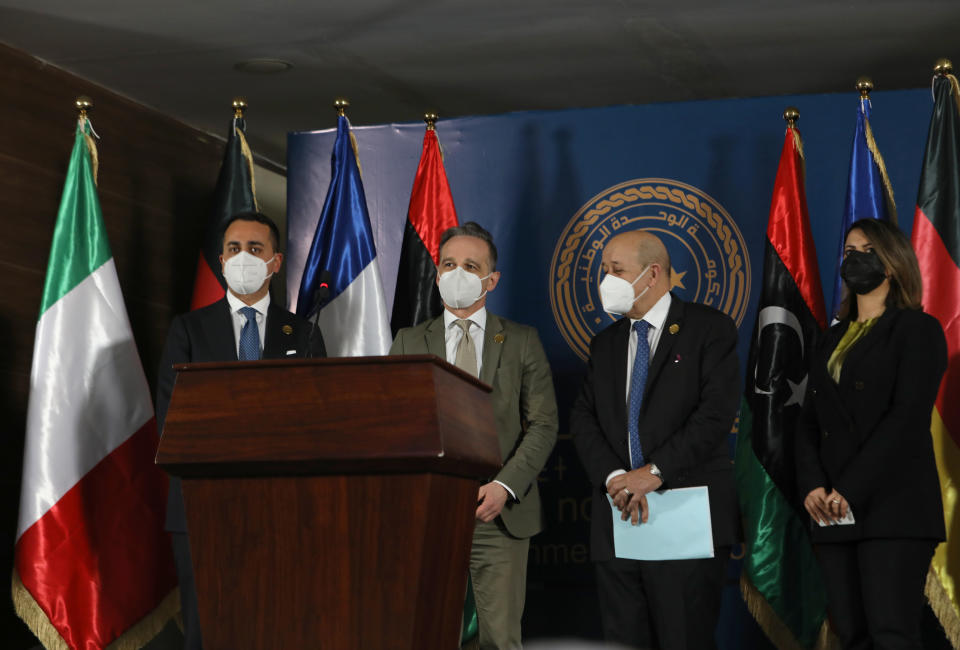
(638, 381)
(249, 336)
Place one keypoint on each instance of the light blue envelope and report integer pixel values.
(678, 527)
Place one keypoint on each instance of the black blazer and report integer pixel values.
(869, 435)
(206, 334)
(689, 406)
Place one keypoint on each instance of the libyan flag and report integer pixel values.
(93, 565)
(936, 239)
(781, 580)
(431, 212)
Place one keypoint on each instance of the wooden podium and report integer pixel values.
(330, 502)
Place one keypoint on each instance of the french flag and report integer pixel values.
(354, 320)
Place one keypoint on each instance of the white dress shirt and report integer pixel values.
(451, 336)
(656, 316)
(239, 320)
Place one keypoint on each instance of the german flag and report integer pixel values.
(936, 239)
(431, 212)
(234, 193)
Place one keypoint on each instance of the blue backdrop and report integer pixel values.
(532, 178)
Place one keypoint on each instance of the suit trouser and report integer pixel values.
(498, 569)
(673, 605)
(188, 591)
(875, 591)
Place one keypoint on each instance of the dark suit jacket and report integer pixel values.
(869, 435)
(690, 403)
(524, 405)
(207, 335)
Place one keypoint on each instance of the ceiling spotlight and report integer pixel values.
(263, 66)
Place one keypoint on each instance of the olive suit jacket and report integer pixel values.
(524, 406)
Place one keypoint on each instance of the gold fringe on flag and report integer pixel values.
(956, 90)
(941, 587)
(878, 159)
(92, 148)
(35, 618)
(943, 607)
(775, 629)
(798, 142)
(248, 156)
(134, 638)
(356, 152)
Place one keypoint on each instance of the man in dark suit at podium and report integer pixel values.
(656, 409)
(509, 357)
(244, 325)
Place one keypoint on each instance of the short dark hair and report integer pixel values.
(897, 255)
(471, 229)
(259, 217)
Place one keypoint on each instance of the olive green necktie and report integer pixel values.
(466, 357)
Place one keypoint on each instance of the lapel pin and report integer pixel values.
(287, 330)
(673, 329)
(677, 360)
(498, 338)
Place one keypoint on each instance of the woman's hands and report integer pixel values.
(826, 508)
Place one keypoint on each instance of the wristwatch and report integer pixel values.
(656, 472)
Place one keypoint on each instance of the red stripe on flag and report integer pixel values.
(431, 208)
(789, 227)
(941, 298)
(99, 560)
(206, 287)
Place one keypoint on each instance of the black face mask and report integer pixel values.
(863, 272)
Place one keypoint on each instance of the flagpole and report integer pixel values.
(431, 120)
(340, 104)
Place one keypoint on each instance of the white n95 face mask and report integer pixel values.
(245, 273)
(616, 294)
(460, 289)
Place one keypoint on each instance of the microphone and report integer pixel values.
(320, 294)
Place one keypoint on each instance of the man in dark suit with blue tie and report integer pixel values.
(243, 326)
(656, 408)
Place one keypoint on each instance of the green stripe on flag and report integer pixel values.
(79, 242)
(779, 559)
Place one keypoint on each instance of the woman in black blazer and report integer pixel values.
(864, 450)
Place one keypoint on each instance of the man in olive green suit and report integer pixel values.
(509, 357)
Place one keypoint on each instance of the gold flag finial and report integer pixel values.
(943, 67)
(239, 106)
(431, 120)
(84, 105)
(865, 87)
(340, 105)
(791, 114)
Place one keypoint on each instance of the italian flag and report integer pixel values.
(936, 238)
(92, 564)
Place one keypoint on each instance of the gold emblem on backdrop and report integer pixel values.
(707, 251)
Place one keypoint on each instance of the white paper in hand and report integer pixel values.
(679, 527)
(845, 521)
